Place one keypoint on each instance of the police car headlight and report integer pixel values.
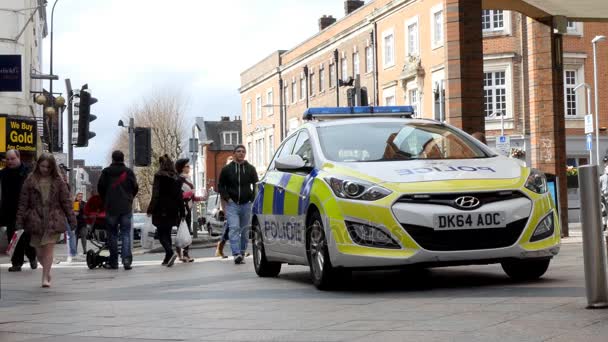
(544, 229)
(356, 189)
(536, 182)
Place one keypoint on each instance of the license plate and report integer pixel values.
(469, 221)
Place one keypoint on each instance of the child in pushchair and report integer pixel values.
(95, 217)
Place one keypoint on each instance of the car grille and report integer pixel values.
(466, 239)
(450, 199)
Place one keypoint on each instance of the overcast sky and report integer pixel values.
(125, 49)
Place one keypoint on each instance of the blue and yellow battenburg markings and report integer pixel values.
(285, 202)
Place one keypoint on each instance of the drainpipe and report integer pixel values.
(306, 81)
(524, 66)
(337, 78)
(282, 110)
(375, 64)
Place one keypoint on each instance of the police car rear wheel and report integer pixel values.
(263, 267)
(324, 275)
(522, 270)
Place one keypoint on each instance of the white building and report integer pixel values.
(22, 28)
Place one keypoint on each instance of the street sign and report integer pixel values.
(588, 124)
(589, 142)
(503, 144)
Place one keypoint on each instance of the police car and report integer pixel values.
(369, 187)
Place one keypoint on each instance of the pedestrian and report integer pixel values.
(12, 178)
(44, 205)
(70, 235)
(117, 187)
(182, 166)
(166, 206)
(81, 224)
(219, 250)
(236, 187)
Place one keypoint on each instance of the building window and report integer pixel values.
(355, 63)
(569, 93)
(269, 102)
(573, 27)
(293, 91)
(413, 97)
(302, 88)
(332, 75)
(248, 111)
(437, 27)
(369, 59)
(321, 78)
(231, 138)
(259, 152)
(258, 107)
(344, 65)
(495, 93)
(389, 49)
(270, 146)
(311, 77)
(492, 20)
(412, 39)
(389, 96)
(286, 94)
(250, 148)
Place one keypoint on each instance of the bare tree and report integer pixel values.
(164, 114)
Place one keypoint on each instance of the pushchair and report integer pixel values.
(96, 232)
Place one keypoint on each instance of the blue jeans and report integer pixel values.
(113, 222)
(72, 243)
(238, 217)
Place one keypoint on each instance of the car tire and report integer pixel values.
(324, 276)
(523, 270)
(263, 267)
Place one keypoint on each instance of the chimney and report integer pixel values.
(326, 21)
(351, 5)
(225, 118)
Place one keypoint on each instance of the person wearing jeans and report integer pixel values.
(236, 187)
(117, 187)
(120, 224)
(239, 221)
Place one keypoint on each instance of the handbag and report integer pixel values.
(183, 238)
(14, 241)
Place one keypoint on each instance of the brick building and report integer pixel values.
(396, 51)
(218, 140)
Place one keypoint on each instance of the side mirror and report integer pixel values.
(291, 163)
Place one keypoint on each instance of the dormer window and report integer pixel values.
(231, 138)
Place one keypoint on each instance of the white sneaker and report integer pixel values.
(69, 260)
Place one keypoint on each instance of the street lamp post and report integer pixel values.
(597, 110)
(194, 149)
(52, 103)
(590, 113)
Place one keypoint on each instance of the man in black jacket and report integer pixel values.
(12, 178)
(236, 187)
(117, 187)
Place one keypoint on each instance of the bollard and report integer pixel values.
(594, 249)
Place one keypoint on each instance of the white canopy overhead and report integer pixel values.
(578, 10)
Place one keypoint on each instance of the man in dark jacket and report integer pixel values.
(236, 187)
(12, 178)
(117, 187)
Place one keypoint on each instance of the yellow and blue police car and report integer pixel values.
(370, 187)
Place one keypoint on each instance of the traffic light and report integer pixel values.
(143, 146)
(85, 117)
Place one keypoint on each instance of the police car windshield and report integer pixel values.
(390, 141)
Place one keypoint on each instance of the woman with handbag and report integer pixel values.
(166, 206)
(182, 167)
(44, 205)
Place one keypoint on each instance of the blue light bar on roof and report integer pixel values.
(362, 111)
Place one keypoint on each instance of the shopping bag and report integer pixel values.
(13, 244)
(183, 238)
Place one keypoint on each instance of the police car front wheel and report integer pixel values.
(324, 275)
(526, 269)
(263, 267)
